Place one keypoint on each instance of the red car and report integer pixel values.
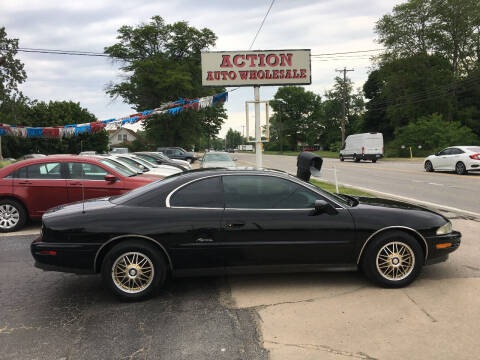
(29, 188)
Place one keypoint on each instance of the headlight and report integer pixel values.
(445, 229)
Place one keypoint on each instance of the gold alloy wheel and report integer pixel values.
(132, 272)
(9, 216)
(395, 261)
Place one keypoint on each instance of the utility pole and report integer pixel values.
(243, 134)
(344, 113)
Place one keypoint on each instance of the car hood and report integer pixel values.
(373, 201)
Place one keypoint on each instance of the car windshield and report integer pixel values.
(216, 157)
(131, 162)
(475, 149)
(163, 156)
(142, 189)
(121, 169)
(144, 162)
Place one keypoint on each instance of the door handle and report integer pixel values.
(204, 240)
(237, 224)
(75, 183)
(24, 183)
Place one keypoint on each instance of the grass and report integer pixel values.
(341, 189)
(323, 154)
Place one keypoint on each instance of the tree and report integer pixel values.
(54, 113)
(448, 28)
(298, 116)
(11, 69)
(161, 64)
(333, 109)
(233, 139)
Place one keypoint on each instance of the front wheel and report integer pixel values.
(13, 215)
(393, 259)
(428, 166)
(356, 158)
(342, 158)
(134, 270)
(460, 168)
(374, 160)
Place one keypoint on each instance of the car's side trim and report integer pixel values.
(170, 264)
(388, 228)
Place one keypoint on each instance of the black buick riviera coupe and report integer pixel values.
(218, 221)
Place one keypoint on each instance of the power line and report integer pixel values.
(261, 25)
(58, 52)
(349, 52)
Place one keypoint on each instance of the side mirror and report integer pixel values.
(321, 206)
(110, 178)
(436, 154)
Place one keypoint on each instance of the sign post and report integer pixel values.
(256, 68)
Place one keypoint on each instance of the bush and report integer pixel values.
(432, 133)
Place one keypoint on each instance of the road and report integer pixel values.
(49, 315)
(401, 178)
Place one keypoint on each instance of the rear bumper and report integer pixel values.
(72, 258)
(371, 156)
(447, 244)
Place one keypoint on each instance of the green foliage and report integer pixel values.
(54, 113)
(433, 133)
(233, 139)
(298, 117)
(161, 64)
(11, 69)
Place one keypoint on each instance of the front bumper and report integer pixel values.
(441, 246)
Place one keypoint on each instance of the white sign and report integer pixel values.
(260, 67)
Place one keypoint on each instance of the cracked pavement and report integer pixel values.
(342, 315)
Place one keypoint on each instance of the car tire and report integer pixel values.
(342, 158)
(428, 166)
(374, 160)
(355, 158)
(134, 270)
(393, 259)
(13, 215)
(460, 168)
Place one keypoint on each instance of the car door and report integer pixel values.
(41, 186)
(441, 160)
(454, 157)
(195, 235)
(87, 181)
(270, 221)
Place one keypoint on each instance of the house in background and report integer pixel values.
(121, 136)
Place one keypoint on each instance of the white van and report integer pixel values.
(368, 146)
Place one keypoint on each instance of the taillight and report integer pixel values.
(363, 150)
(475, 156)
(48, 252)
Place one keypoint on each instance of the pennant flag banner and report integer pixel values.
(93, 127)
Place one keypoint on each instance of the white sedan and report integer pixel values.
(460, 159)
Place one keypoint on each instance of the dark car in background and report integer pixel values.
(158, 158)
(29, 188)
(219, 221)
(178, 153)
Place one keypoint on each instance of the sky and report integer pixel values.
(324, 26)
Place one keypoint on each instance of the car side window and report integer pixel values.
(40, 171)
(86, 171)
(206, 193)
(266, 192)
(444, 152)
(456, 151)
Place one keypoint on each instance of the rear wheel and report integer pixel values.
(393, 259)
(460, 168)
(13, 215)
(374, 160)
(356, 158)
(428, 166)
(341, 158)
(134, 270)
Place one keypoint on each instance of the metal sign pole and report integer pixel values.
(258, 130)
